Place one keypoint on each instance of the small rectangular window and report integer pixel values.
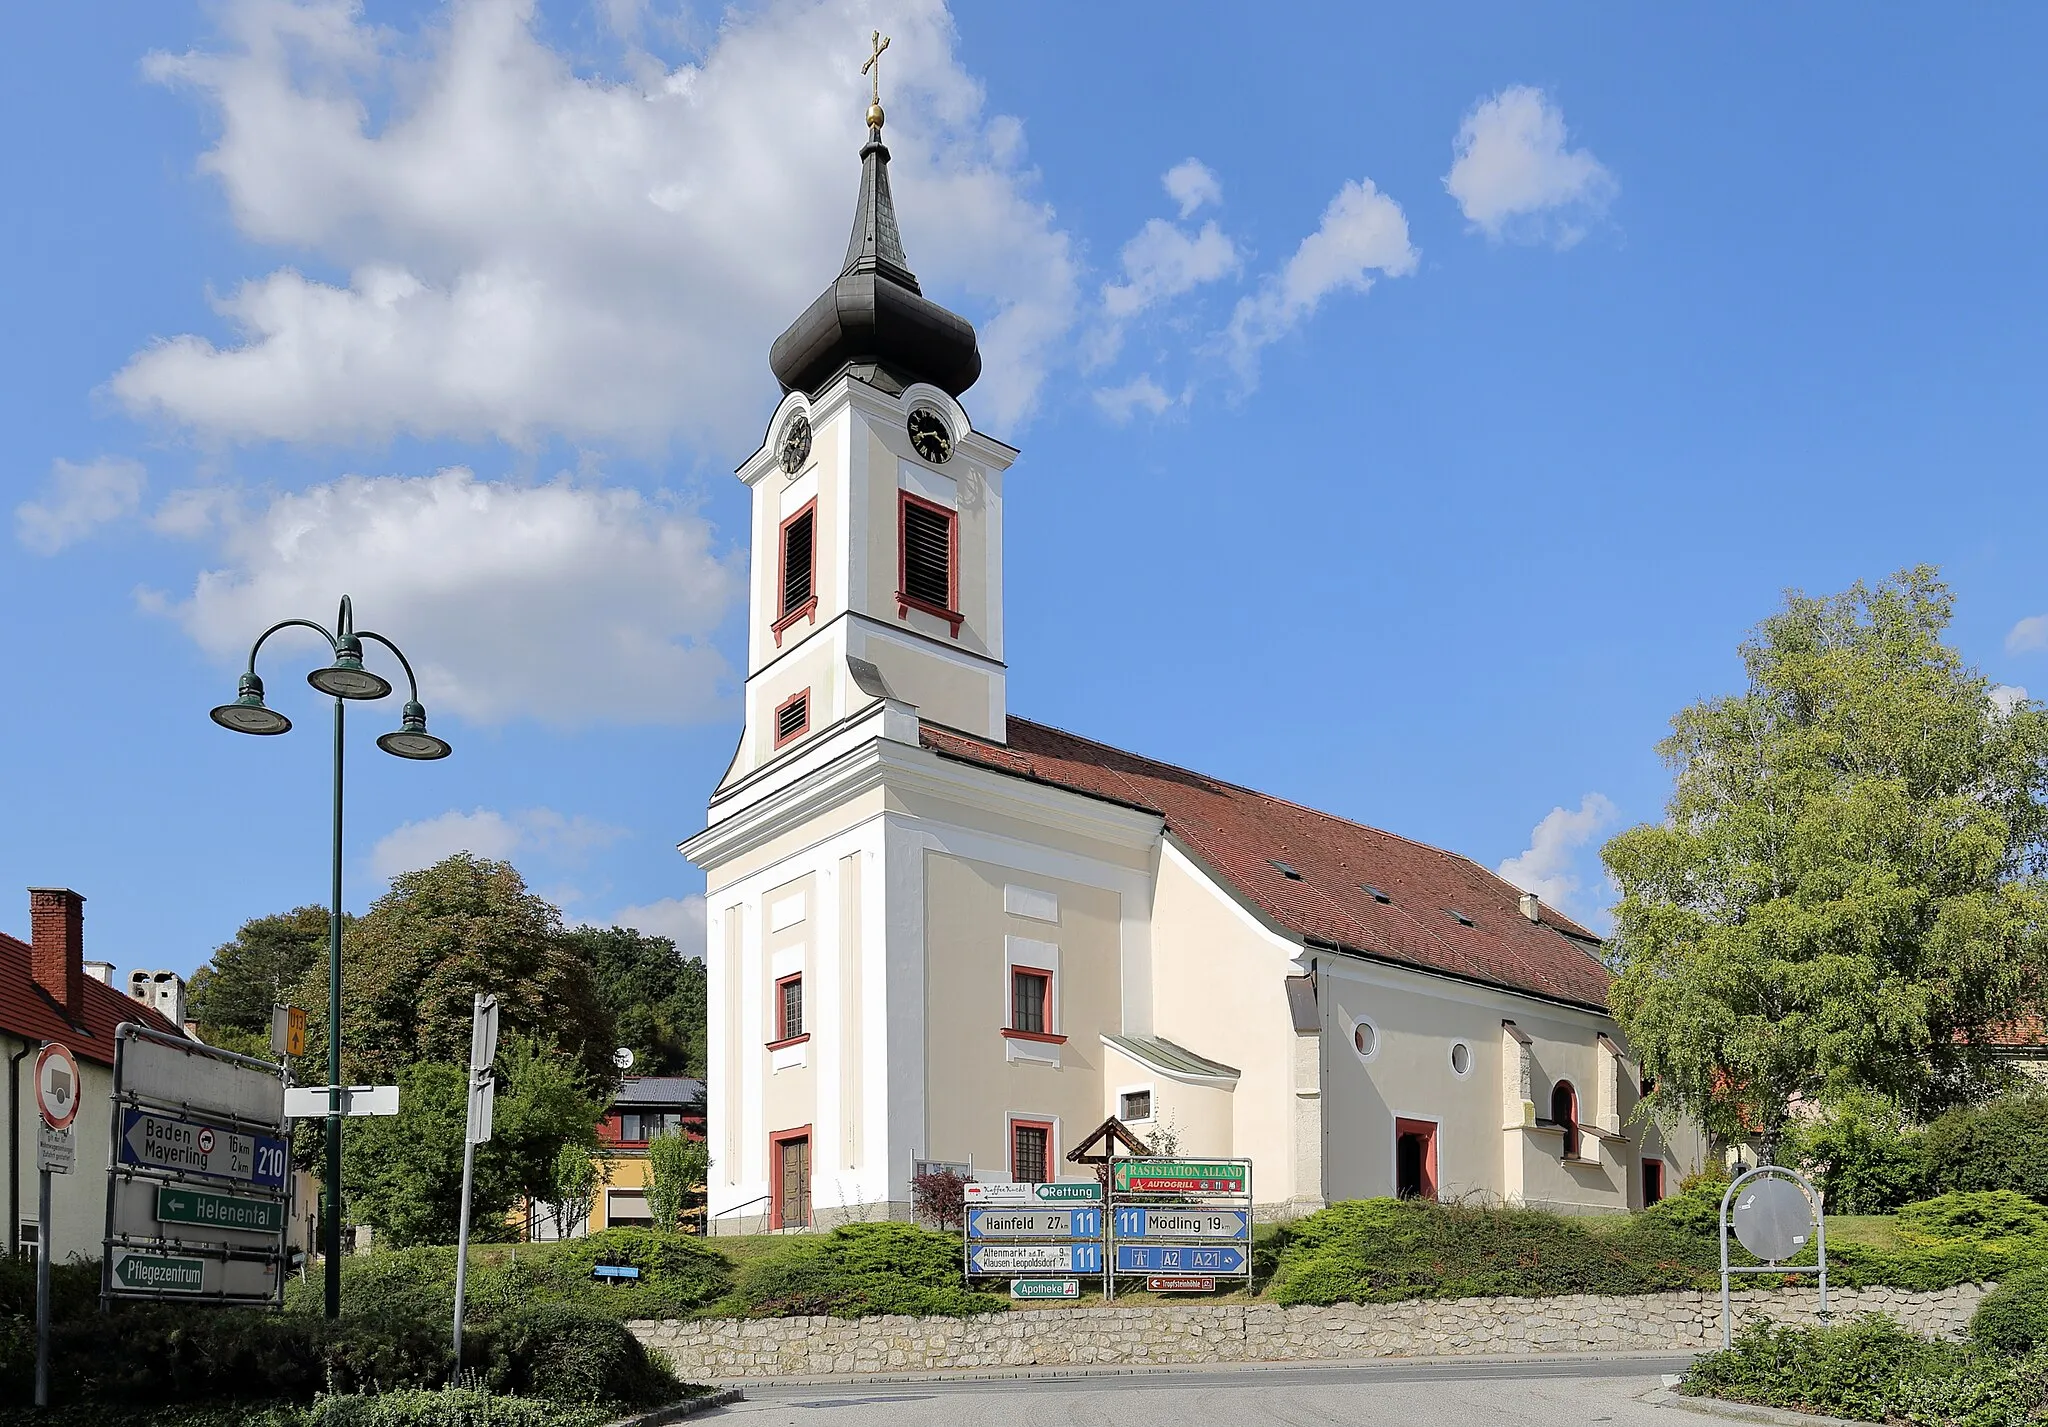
(929, 537)
(792, 718)
(799, 546)
(630, 1130)
(1030, 1151)
(1030, 1001)
(1653, 1181)
(789, 1002)
(1137, 1105)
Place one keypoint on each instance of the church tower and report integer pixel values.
(877, 513)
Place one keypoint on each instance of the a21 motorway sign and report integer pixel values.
(1226, 1259)
(179, 1146)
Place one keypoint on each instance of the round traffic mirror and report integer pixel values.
(1773, 1218)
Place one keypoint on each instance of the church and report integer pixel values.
(940, 932)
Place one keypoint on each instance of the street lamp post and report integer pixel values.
(344, 679)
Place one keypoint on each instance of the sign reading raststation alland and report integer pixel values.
(1162, 1176)
(176, 1204)
(1045, 1288)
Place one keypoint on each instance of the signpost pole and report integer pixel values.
(462, 1248)
(483, 1049)
(43, 1290)
(331, 1239)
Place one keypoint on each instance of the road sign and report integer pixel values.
(57, 1088)
(1773, 1218)
(1227, 1259)
(192, 1147)
(1042, 1288)
(1149, 1221)
(309, 1102)
(994, 1260)
(158, 1273)
(56, 1150)
(1034, 1223)
(287, 1030)
(1170, 1176)
(178, 1205)
(1180, 1283)
(1064, 1192)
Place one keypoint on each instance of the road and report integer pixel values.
(1453, 1394)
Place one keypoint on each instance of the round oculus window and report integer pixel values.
(1365, 1038)
(1461, 1059)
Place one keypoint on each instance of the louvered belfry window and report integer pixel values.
(792, 718)
(798, 543)
(928, 553)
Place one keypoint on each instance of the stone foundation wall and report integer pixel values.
(1188, 1333)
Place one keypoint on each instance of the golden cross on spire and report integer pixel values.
(874, 65)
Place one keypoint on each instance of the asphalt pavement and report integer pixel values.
(1397, 1394)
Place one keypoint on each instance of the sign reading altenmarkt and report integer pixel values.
(996, 1260)
(1159, 1176)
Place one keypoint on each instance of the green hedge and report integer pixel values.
(860, 1269)
(1867, 1162)
(407, 1407)
(1874, 1371)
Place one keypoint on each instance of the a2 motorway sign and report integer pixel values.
(1226, 1259)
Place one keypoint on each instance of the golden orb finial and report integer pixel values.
(874, 116)
(880, 42)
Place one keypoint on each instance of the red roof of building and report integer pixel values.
(27, 1010)
(1240, 834)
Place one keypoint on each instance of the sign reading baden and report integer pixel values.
(192, 1147)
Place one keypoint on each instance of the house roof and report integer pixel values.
(1308, 871)
(636, 1090)
(27, 1010)
(1173, 1059)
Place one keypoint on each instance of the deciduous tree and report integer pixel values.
(656, 996)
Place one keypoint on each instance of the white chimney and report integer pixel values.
(1532, 907)
(100, 971)
(162, 990)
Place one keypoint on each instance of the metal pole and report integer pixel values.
(332, 1247)
(462, 1248)
(43, 1291)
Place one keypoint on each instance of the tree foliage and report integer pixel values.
(1846, 893)
(655, 994)
(267, 961)
(677, 1165)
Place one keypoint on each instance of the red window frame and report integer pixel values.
(783, 1035)
(784, 618)
(781, 738)
(1426, 1129)
(905, 601)
(776, 1140)
(1021, 1122)
(1569, 1121)
(1652, 1169)
(1045, 1007)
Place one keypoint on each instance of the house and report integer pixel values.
(645, 1106)
(47, 993)
(938, 931)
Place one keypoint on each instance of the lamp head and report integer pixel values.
(346, 678)
(247, 713)
(411, 739)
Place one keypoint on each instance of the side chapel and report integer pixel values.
(940, 932)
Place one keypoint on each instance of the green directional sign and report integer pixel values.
(1165, 1176)
(161, 1275)
(176, 1205)
(1040, 1288)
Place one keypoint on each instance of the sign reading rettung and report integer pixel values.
(1162, 1176)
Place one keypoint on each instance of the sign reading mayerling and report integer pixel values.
(199, 1181)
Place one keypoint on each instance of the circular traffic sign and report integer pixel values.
(57, 1086)
(205, 1140)
(1773, 1218)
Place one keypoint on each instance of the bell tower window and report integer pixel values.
(796, 570)
(928, 567)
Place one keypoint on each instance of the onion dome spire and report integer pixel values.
(874, 319)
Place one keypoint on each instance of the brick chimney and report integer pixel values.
(57, 945)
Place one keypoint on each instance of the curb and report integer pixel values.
(676, 1412)
(1744, 1411)
(1051, 1371)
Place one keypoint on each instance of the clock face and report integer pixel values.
(929, 437)
(796, 444)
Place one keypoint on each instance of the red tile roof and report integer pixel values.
(1239, 834)
(27, 1010)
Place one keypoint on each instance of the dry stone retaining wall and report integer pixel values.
(722, 1349)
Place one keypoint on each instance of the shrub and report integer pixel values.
(449, 1407)
(940, 1196)
(569, 1354)
(1871, 1370)
(1982, 1216)
(2002, 1144)
(860, 1269)
(1861, 1155)
(2013, 1318)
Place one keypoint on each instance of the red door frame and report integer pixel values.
(776, 1141)
(1427, 1129)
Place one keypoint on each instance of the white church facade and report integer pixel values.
(936, 931)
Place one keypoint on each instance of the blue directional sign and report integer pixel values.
(999, 1260)
(1034, 1223)
(1153, 1222)
(1181, 1258)
(189, 1147)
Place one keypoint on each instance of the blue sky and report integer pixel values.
(1414, 453)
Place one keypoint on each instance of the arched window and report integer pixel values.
(1564, 1109)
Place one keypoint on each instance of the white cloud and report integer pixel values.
(1549, 866)
(2030, 635)
(1163, 261)
(681, 919)
(78, 499)
(1363, 231)
(1514, 178)
(1139, 394)
(1190, 183)
(500, 837)
(530, 248)
(2007, 697)
(567, 602)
